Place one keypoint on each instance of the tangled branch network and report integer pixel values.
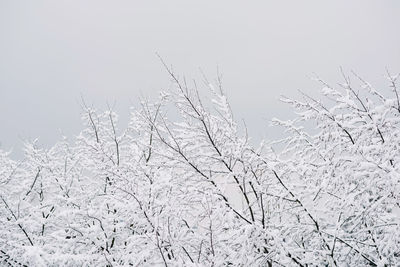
(194, 191)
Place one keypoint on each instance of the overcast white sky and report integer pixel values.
(51, 52)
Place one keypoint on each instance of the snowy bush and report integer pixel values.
(194, 191)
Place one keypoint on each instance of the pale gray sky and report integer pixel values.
(51, 52)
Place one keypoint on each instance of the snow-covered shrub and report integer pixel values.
(194, 191)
